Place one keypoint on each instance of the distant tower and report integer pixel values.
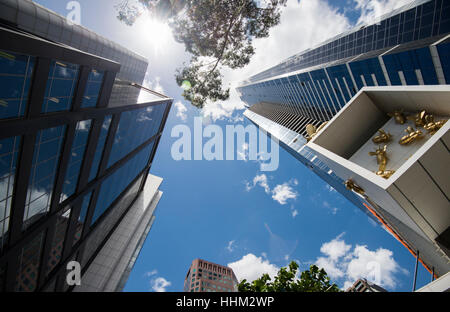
(204, 276)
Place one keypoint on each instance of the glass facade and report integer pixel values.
(92, 90)
(16, 71)
(82, 217)
(61, 84)
(416, 21)
(29, 262)
(9, 149)
(76, 158)
(47, 152)
(115, 184)
(135, 127)
(100, 146)
(53, 139)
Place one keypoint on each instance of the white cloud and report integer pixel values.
(181, 110)
(282, 192)
(260, 180)
(230, 246)
(347, 265)
(160, 284)
(251, 267)
(371, 9)
(294, 212)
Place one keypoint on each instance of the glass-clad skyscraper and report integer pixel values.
(409, 46)
(76, 147)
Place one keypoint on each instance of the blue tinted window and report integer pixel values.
(45, 163)
(76, 158)
(15, 79)
(61, 84)
(116, 183)
(135, 127)
(92, 90)
(444, 56)
(62, 222)
(99, 149)
(9, 149)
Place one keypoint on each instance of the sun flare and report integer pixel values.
(154, 32)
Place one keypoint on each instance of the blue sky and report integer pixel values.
(208, 211)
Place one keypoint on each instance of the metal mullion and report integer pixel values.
(105, 90)
(298, 107)
(81, 87)
(307, 96)
(89, 153)
(302, 102)
(109, 143)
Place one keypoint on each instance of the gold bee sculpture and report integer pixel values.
(412, 136)
(433, 126)
(385, 173)
(418, 118)
(350, 185)
(383, 137)
(398, 115)
(382, 158)
(311, 130)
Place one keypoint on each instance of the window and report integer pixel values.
(82, 217)
(76, 158)
(15, 78)
(61, 84)
(9, 149)
(92, 90)
(135, 127)
(100, 146)
(117, 182)
(62, 222)
(45, 163)
(29, 263)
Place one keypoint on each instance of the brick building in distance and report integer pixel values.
(205, 276)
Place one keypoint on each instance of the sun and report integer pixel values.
(153, 32)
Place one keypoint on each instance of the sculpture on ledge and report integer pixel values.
(419, 118)
(383, 137)
(311, 130)
(385, 173)
(350, 185)
(382, 158)
(398, 116)
(412, 136)
(433, 126)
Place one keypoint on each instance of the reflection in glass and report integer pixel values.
(116, 183)
(15, 77)
(135, 127)
(99, 149)
(9, 148)
(61, 84)
(92, 90)
(62, 222)
(76, 158)
(46, 156)
(82, 217)
(29, 262)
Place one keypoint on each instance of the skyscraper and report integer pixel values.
(409, 46)
(76, 146)
(205, 276)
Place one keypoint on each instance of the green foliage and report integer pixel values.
(218, 33)
(312, 280)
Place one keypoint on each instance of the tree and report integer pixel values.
(312, 280)
(217, 33)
